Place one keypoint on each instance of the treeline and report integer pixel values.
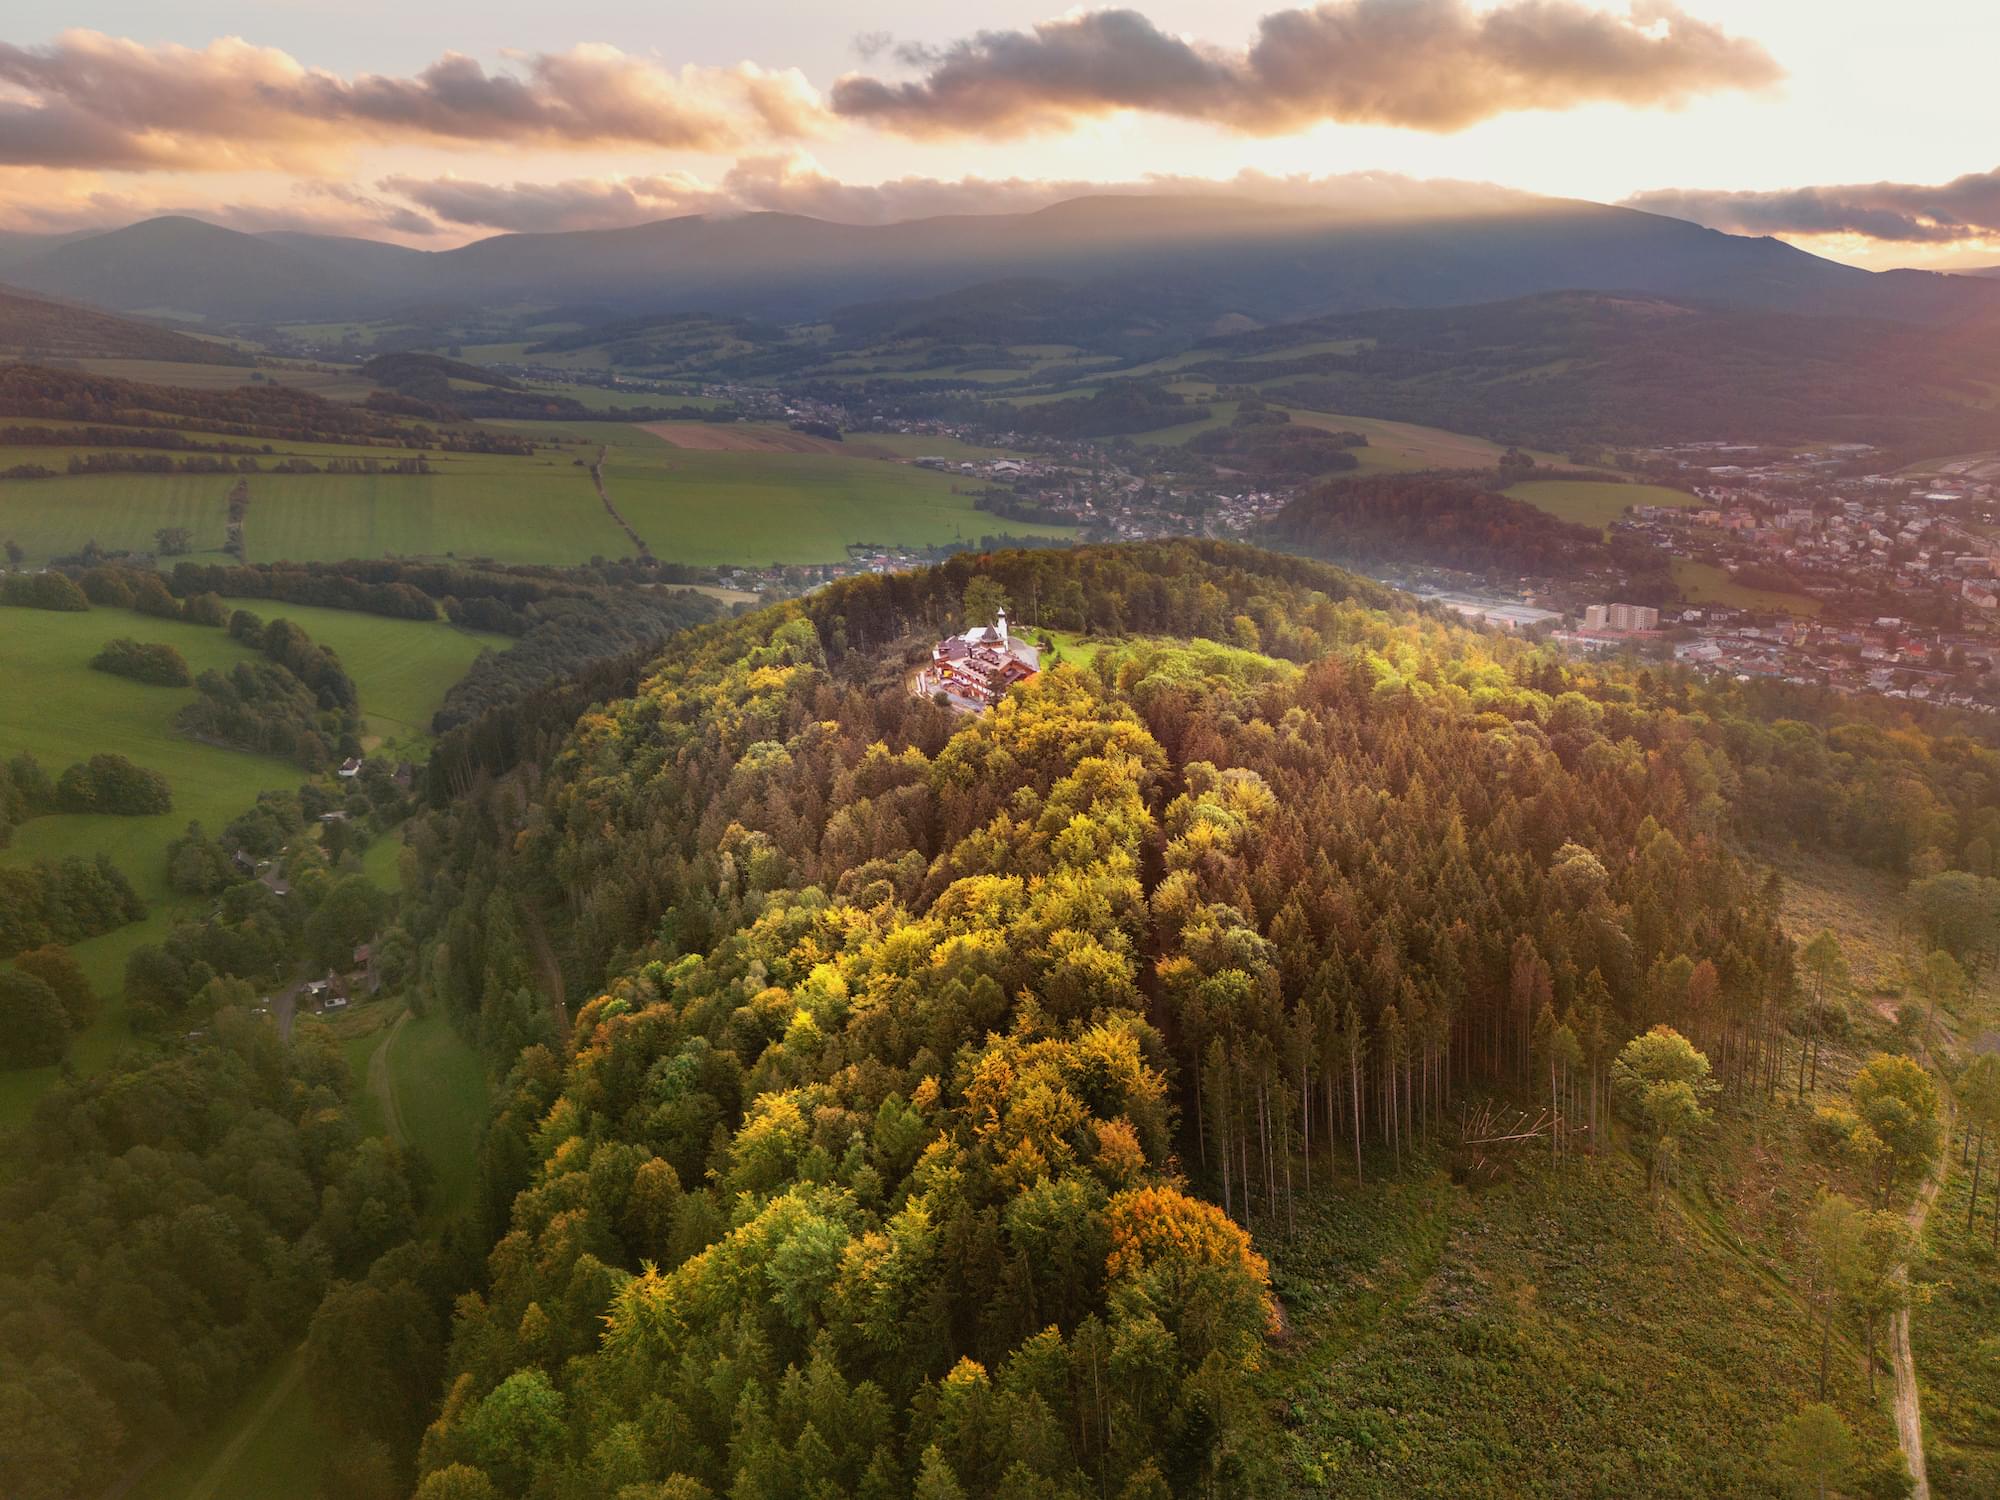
(299, 702)
(171, 1228)
(1264, 442)
(63, 901)
(905, 1020)
(106, 783)
(46, 590)
(1121, 406)
(1140, 588)
(112, 784)
(45, 999)
(493, 598)
(160, 463)
(29, 435)
(143, 661)
(564, 636)
(421, 385)
(1447, 520)
(40, 329)
(271, 411)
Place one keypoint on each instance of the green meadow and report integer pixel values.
(1705, 583)
(401, 669)
(1595, 502)
(706, 507)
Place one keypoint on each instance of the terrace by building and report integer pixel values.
(975, 669)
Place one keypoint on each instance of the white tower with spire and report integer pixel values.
(1000, 625)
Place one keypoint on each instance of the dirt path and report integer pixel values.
(211, 1479)
(383, 1087)
(1909, 1403)
(597, 478)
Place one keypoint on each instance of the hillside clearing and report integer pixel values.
(1596, 503)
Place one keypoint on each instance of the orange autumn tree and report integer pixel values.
(1191, 1265)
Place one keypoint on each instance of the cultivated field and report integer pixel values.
(535, 508)
(704, 506)
(738, 437)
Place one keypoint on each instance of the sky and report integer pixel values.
(1855, 130)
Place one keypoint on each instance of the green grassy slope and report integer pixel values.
(401, 669)
(1548, 1336)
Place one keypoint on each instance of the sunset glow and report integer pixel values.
(464, 121)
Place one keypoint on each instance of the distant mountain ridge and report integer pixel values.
(1207, 257)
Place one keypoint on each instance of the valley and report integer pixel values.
(667, 836)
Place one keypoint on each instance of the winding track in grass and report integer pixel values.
(1909, 1401)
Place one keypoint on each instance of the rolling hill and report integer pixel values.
(1198, 258)
(37, 328)
(1575, 368)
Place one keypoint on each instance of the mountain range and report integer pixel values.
(1215, 260)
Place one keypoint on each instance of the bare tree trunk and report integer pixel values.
(1871, 1354)
(1972, 1208)
(1354, 1061)
(1825, 1339)
(1200, 1118)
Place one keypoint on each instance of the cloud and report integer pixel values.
(61, 202)
(91, 100)
(1966, 208)
(794, 184)
(1434, 65)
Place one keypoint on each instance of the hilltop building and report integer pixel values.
(975, 669)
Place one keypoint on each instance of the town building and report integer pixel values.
(1621, 617)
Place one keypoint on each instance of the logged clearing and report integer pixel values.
(739, 437)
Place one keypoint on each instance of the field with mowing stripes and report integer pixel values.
(539, 508)
(705, 506)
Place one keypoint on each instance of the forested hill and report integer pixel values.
(1578, 369)
(38, 328)
(919, 1077)
(1450, 520)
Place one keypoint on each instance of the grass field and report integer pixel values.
(707, 507)
(1705, 583)
(1548, 1336)
(1593, 503)
(439, 1092)
(44, 661)
(403, 666)
(537, 508)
